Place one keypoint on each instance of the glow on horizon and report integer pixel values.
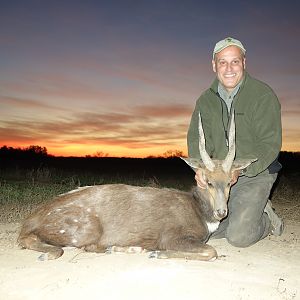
(119, 151)
(82, 151)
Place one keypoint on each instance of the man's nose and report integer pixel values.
(228, 67)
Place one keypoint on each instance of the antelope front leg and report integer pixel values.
(187, 248)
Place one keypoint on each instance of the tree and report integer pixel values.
(36, 150)
(99, 154)
(172, 153)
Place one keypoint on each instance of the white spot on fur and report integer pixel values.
(212, 227)
(75, 220)
(74, 241)
(62, 231)
(88, 210)
(76, 190)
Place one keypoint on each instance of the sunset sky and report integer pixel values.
(122, 77)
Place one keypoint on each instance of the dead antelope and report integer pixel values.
(169, 222)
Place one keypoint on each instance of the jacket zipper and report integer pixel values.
(225, 128)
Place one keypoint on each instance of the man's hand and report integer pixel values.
(235, 177)
(200, 180)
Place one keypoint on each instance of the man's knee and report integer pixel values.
(242, 236)
(238, 240)
(247, 229)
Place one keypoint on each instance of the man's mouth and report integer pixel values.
(229, 75)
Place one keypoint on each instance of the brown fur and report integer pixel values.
(97, 217)
(172, 223)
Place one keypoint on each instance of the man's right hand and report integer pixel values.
(201, 183)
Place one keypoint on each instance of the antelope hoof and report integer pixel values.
(109, 250)
(158, 255)
(153, 254)
(48, 256)
(213, 258)
(51, 255)
(43, 257)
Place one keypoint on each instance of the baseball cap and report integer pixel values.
(229, 41)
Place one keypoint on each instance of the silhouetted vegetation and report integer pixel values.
(10, 156)
(34, 164)
(36, 157)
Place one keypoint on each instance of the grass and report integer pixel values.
(286, 196)
(19, 198)
(22, 190)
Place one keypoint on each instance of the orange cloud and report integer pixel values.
(141, 130)
(170, 110)
(137, 131)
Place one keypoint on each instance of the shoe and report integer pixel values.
(276, 222)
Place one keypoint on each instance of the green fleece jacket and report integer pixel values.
(258, 125)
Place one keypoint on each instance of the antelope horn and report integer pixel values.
(227, 163)
(209, 164)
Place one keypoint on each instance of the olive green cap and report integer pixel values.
(226, 43)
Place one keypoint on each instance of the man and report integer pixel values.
(258, 135)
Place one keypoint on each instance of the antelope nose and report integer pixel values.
(221, 213)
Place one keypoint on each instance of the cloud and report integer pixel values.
(55, 87)
(139, 128)
(25, 103)
(291, 140)
(288, 113)
(170, 110)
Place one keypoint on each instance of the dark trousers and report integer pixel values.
(246, 222)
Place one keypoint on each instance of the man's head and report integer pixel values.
(229, 62)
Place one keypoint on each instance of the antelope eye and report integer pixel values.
(209, 183)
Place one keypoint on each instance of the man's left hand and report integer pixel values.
(235, 177)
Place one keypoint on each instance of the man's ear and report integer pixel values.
(214, 66)
(194, 163)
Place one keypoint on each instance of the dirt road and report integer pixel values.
(268, 270)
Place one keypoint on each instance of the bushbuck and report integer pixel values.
(168, 222)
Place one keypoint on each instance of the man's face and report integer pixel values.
(229, 65)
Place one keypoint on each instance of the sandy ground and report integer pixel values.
(268, 270)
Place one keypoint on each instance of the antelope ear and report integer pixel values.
(241, 164)
(194, 163)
